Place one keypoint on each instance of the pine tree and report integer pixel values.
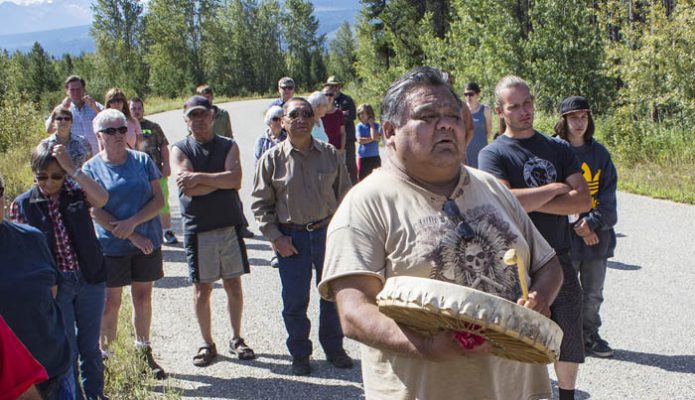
(341, 54)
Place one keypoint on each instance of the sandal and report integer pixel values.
(238, 347)
(205, 355)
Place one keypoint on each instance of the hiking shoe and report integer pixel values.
(340, 359)
(599, 347)
(247, 234)
(170, 237)
(301, 366)
(157, 371)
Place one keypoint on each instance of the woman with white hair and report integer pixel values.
(319, 102)
(273, 134)
(128, 228)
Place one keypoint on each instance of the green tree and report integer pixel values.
(119, 35)
(300, 29)
(341, 54)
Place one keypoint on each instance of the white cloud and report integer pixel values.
(26, 2)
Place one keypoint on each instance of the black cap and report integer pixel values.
(574, 104)
(196, 103)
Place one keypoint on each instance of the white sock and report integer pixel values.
(142, 344)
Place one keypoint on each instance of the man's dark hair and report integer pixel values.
(473, 87)
(393, 107)
(75, 78)
(297, 98)
(42, 157)
(136, 99)
(562, 129)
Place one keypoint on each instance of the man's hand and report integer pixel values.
(142, 243)
(186, 180)
(283, 245)
(123, 229)
(582, 228)
(88, 100)
(591, 239)
(444, 346)
(536, 302)
(61, 155)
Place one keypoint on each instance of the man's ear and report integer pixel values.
(388, 129)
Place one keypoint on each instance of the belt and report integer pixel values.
(311, 226)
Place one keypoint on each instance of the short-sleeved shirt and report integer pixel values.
(222, 125)
(78, 148)
(332, 122)
(82, 124)
(151, 140)
(370, 149)
(129, 190)
(18, 368)
(531, 163)
(27, 274)
(388, 226)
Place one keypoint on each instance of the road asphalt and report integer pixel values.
(648, 313)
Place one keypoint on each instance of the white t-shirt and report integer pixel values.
(388, 226)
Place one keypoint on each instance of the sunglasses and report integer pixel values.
(462, 228)
(469, 94)
(62, 119)
(287, 87)
(276, 119)
(55, 177)
(112, 131)
(329, 94)
(294, 114)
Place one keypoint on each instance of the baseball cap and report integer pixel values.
(195, 103)
(574, 104)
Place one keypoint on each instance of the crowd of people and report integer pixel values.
(96, 218)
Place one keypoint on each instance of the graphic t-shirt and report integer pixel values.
(370, 149)
(151, 140)
(388, 226)
(129, 190)
(531, 163)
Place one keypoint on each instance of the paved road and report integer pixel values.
(649, 315)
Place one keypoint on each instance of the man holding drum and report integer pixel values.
(546, 178)
(424, 214)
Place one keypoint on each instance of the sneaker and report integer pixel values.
(247, 234)
(599, 347)
(301, 366)
(157, 371)
(274, 262)
(340, 359)
(170, 238)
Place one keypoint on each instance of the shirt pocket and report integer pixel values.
(325, 184)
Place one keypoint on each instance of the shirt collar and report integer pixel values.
(287, 146)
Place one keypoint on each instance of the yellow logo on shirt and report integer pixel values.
(593, 181)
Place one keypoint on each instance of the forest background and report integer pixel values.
(633, 60)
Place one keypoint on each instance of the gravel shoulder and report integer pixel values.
(648, 309)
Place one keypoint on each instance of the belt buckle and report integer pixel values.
(310, 227)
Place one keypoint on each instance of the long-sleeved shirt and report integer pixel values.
(295, 187)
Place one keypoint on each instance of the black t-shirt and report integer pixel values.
(529, 163)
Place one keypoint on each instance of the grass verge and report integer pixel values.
(124, 377)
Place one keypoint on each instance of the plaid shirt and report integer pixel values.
(64, 253)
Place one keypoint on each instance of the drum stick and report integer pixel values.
(511, 258)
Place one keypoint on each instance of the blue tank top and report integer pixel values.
(479, 137)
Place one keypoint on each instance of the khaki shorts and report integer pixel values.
(214, 255)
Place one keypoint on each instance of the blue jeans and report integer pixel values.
(82, 305)
(592, 275)
(295, 275)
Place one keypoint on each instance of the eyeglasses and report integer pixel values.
(55, 177)
(329, 94)
(294, 114)
(287, 87)
(112, 131)
(276, 119)
(462, 228)
(62, 119)
(469, 94)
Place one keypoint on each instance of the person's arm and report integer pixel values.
(124, 228)
(107, 221)
(361, 320)
(343, 137)
(96, 195)
(576, 201)
(202, 183)
(343, 182)
(264, 199)
(30, 394)
(532, 199)
(546, 283)
(488, 123)
(228, 126)
(605, 215)
(374, 133)
(166, 167)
